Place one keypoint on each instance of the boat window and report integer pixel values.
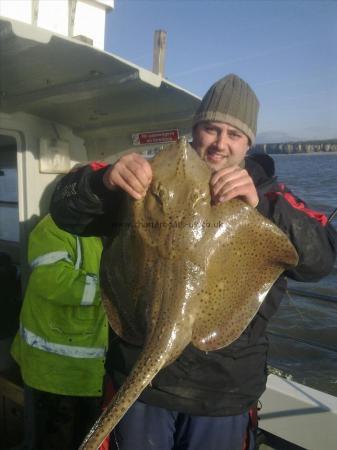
(9, 213)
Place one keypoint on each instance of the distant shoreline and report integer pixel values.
(299, 154)
(297, 148)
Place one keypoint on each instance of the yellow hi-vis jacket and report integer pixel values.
(61, 344)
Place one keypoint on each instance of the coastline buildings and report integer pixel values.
(328, 146)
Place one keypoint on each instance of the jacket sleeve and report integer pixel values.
(82, 205)
(56, 275)
(313, 237)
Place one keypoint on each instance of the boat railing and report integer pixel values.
(313, 295)
(303, 341)
(303, 293)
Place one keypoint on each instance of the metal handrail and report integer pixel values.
(303, 341)
(324, 297)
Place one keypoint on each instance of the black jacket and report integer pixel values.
(227, 381)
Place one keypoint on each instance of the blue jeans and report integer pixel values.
(146, 427)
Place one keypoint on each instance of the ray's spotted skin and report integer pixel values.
(183, 272)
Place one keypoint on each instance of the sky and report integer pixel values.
(285, 49)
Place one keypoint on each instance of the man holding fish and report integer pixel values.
(202, 400)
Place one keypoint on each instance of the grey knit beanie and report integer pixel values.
(233, 101)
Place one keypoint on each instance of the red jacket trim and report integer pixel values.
(109, 392)
(96, 165)
(320, 217)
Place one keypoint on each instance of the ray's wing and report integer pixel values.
(122, 272)
(252, 254)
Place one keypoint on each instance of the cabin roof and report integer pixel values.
(96, 93)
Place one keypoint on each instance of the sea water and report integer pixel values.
(303, 333)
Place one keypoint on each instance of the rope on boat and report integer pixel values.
(332, 215)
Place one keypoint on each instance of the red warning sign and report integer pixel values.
(155, 137)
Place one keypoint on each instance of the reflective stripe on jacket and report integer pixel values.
(63, 334)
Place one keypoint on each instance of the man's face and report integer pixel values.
(219, 144)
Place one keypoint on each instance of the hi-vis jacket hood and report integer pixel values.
(62, 340)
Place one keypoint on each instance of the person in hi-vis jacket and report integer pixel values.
(61, 344)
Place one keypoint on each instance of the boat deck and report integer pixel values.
(267, 441)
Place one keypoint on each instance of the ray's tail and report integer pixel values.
(143, 372)
(152, 359)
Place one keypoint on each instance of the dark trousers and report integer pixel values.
(61, 421)
(146, 427)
